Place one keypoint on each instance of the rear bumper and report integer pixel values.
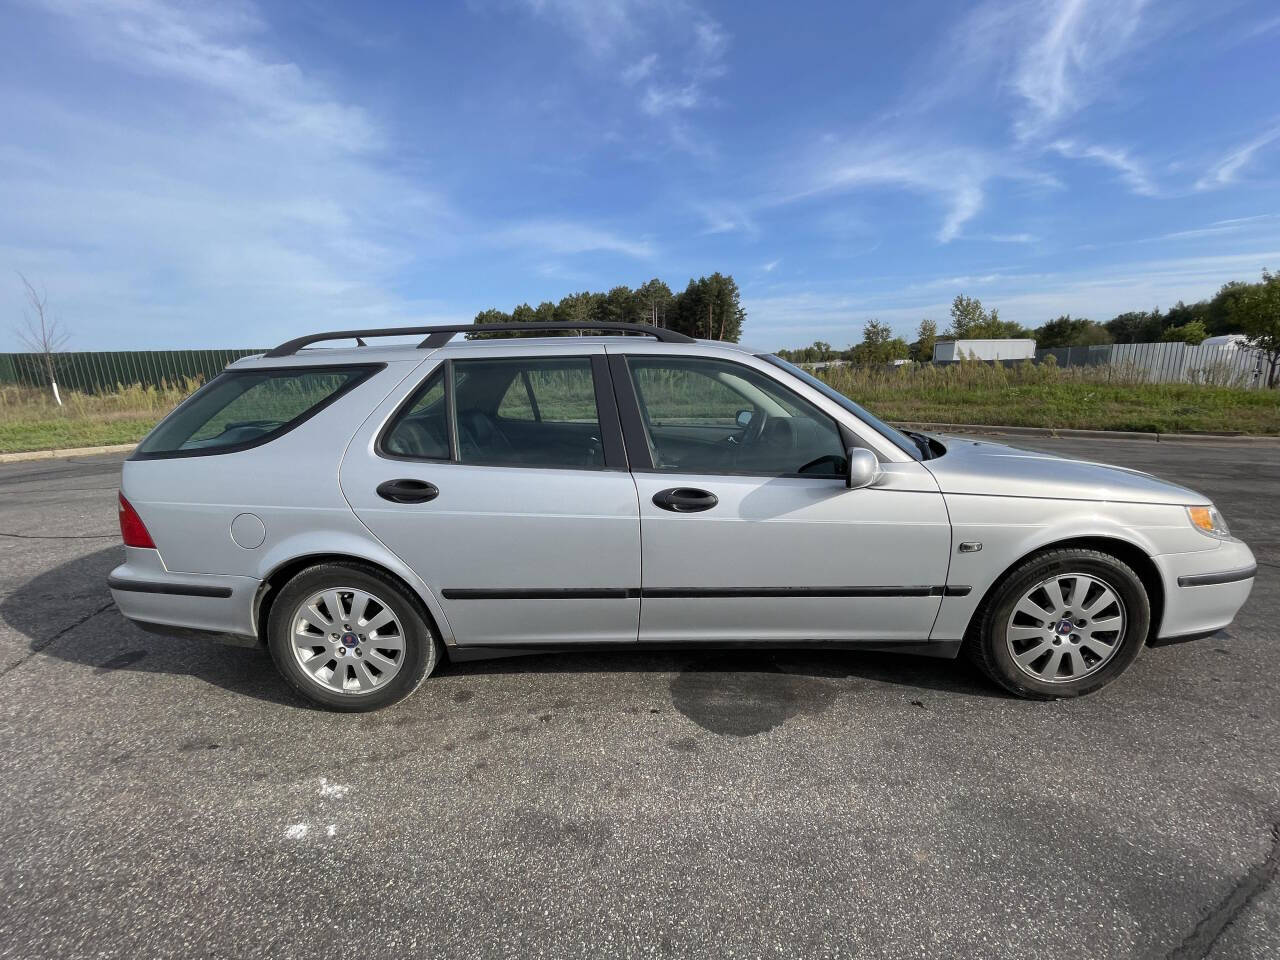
(150, 595)
(1204, 590)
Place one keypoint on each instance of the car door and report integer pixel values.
(748, 530)
(501, 481)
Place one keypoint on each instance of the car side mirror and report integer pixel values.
(743, 418)
(863, 468)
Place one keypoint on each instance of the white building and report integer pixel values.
(984, 350)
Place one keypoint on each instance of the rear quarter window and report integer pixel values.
(247, 408)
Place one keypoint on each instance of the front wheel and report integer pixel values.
(1062, 623)
(350, 638)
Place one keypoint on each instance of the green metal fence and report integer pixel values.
(103, 371)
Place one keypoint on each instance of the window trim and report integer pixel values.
(611, 438)
(637, 438)
(379, 442)
(366, 371)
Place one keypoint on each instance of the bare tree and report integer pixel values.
(41, 332)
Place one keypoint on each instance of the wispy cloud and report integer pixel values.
(1226, 170)
(956, 175)
(1067, 46)
(693, 44)
(726, 217)
(1131, 171)
(567, 237)
(246, 189)
(1010, 237)
(1053, 57)
(640, 70)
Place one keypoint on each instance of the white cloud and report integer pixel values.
(599, 25)
(566, 237)
(658, 100)
(956, 175)
(1064, 52)
(695, 46)
(209, 178)
(771, 266)
(1131, 171)
(726, 217)
(639, 70)
(1225, 171)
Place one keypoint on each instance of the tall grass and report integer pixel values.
(30, 419)
(21, 404)
(1108, 397)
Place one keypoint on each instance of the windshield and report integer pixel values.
(894, 435)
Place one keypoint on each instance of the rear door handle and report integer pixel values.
(685, 499)
(408, 491)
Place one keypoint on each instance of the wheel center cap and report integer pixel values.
(1064, 627)
(350, 640)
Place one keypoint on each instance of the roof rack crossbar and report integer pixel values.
(438, 336)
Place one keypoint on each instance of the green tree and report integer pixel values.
(970, 321)
(654, 300)
(709, 307)
(1256, 312)
(926, 337)
(489, 316)
(879, 345)
(1192, 332)
(1068, 331)
(579, 307)
(619, 305)
(1137, 326)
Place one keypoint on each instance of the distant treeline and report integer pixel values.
(708, 307)
(1250, 309)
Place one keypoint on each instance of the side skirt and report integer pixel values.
(941, 649)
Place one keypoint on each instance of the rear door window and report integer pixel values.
(505, 412)
(246, 408)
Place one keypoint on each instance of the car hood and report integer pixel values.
(981, 467)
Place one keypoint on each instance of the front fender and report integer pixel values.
(1010, 529)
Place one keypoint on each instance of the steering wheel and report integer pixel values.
(755, 429)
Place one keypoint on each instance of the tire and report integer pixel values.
(1063, 653)
(369, 663)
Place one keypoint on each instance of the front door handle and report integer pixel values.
(685, 499)
(408, 491)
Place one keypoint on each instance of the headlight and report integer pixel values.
(1209, 521)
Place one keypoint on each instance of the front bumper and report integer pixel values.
(150, 595)
(1203, 591)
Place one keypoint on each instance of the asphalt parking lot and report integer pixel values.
(170, 798)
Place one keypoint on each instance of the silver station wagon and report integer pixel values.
(367, 512)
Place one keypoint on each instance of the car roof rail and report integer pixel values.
(438, 336)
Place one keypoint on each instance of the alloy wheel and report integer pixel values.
(1066, 627)
(347, 640)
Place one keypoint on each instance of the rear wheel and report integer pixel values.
(350, 637)
(1063, 623)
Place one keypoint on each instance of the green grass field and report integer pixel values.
(1059, 398)
(1025, 395)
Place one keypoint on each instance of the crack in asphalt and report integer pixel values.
(1202, 939)
(39, 645)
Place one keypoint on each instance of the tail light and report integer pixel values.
(132, 529)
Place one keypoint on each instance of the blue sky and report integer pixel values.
(233, 174)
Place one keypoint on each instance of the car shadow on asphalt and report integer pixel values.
(65, 612)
